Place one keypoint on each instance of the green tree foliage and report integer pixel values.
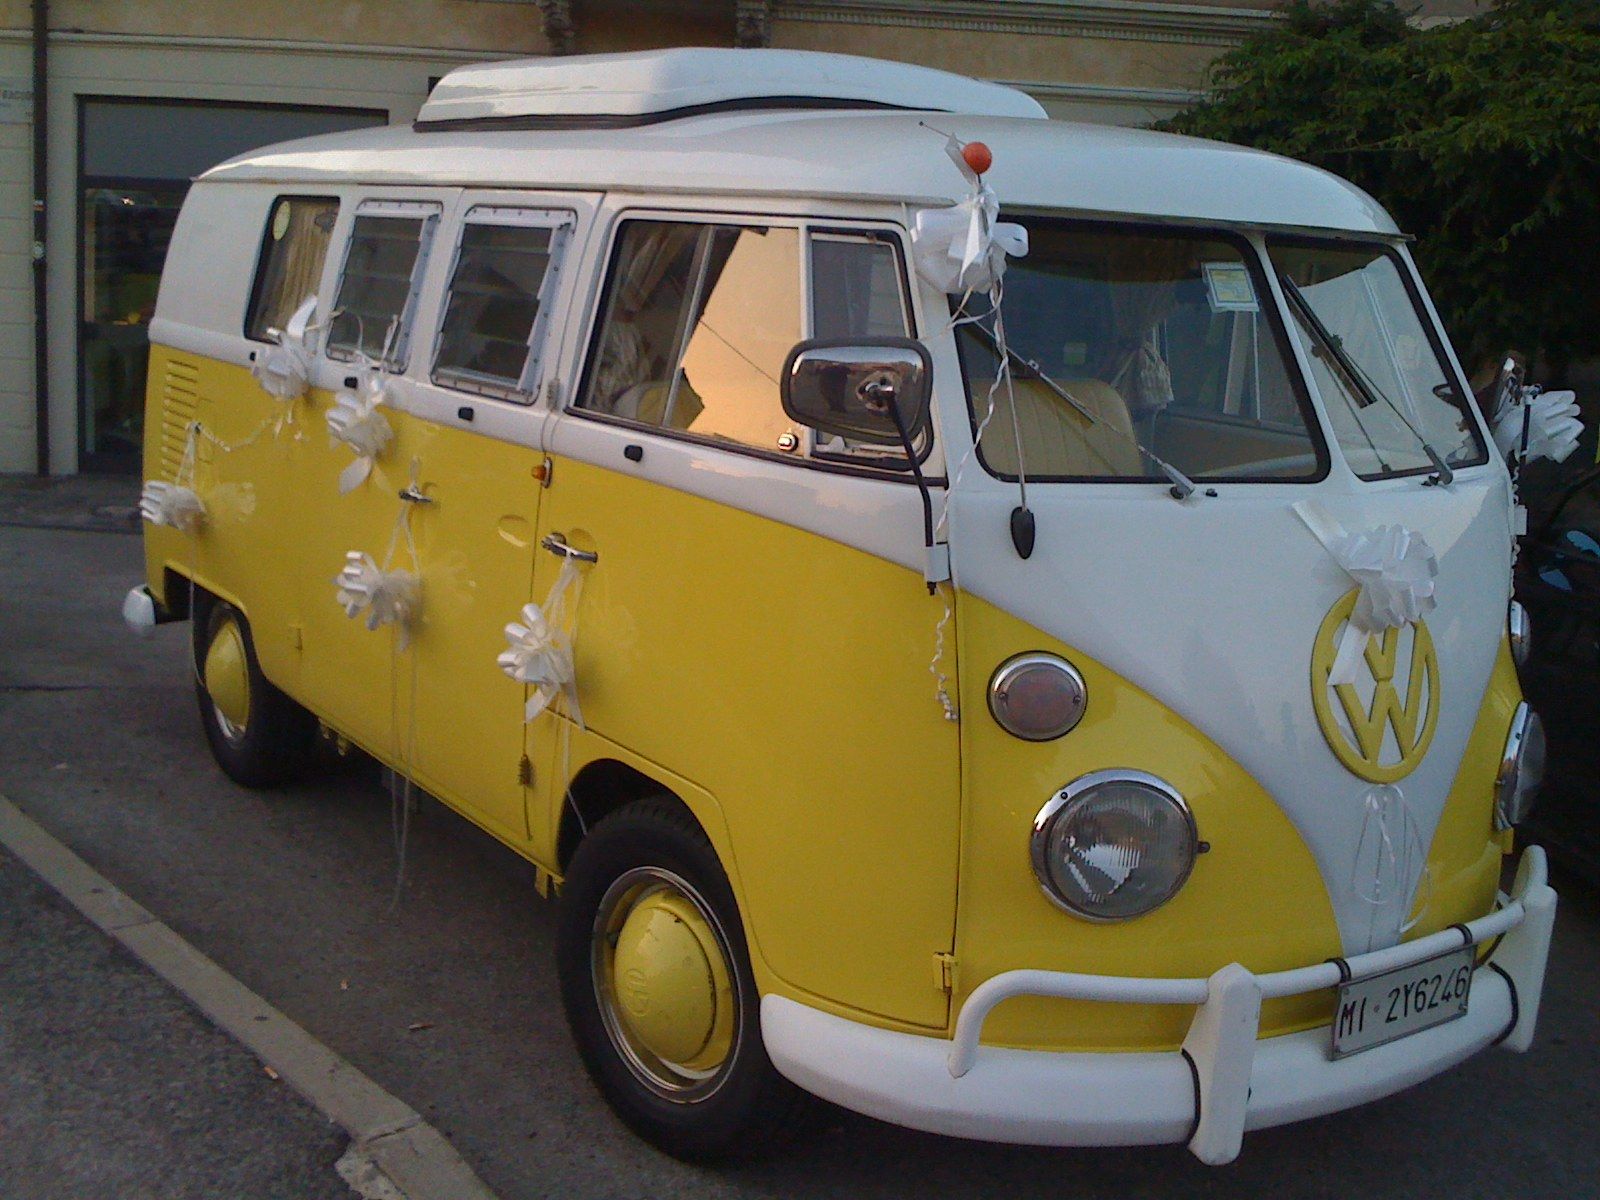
(1481, 137)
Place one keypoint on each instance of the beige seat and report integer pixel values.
(1056, 438)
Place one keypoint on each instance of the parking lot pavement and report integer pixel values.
(112, 1086)
(448, 999)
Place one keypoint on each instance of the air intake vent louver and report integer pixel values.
(180, 399)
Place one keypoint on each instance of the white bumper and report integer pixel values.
(1221, 1083)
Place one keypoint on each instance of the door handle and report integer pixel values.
(557, 544)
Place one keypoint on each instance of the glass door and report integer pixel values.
(135, 160)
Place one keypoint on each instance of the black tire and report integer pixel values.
(274, 743)
(743, 1107)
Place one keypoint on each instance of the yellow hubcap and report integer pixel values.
(662, 978)
(227, 677)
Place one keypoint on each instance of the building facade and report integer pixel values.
(109, 107)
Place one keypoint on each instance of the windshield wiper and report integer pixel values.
(1182, 486)
(1367, 391)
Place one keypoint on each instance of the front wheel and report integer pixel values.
(657, 987)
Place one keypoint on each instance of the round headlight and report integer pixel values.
(1114, 845)
(1037, 696)
(1521, 768)
(1520, 629)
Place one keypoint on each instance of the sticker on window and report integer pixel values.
(1228, 287)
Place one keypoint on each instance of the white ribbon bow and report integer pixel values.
(1395, 569)
(1552, 420)
(1390, 844)
(963, 248)
(390, 597)
(173, 505)
(355, 420)
(284, 369)
(540, 650)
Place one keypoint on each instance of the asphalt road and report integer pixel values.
(112, 1086)
(448, 999)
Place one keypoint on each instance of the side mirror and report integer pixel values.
(855, 387)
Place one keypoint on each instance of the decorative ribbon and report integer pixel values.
(540, 652)
(284, 369)
(1395, 569)
(389, 597)
(173, 505)
(355, 420)
(1392, 839)
(1551, 420)
(963, 248)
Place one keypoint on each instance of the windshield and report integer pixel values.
(1402, 399)
(1144, 346)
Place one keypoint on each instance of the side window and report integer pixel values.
(857, 287)
(858, 291)
(695, 325)
(504, 272)
(299, 229)
(378, 287)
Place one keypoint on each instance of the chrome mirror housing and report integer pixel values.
(870, 390)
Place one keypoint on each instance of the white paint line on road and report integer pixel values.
(415, 1157)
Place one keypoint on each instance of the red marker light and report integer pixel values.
(977, 156)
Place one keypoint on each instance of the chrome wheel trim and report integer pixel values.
(670, 1081)
(234, 734)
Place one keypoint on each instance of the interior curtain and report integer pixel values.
(304, 250)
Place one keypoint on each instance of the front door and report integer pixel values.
(756, 622)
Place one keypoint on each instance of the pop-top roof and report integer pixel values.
(655, 85)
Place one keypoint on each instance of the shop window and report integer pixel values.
(378, 287)
(299, 229)
(489, 339)
(136, 156)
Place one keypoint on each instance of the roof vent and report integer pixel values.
(616, 90)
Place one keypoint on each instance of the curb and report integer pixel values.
(415, 1160)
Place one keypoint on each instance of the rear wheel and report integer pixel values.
(657, 987)
(258, 735)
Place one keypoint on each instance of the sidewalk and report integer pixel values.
(114, 1086)
(99, 503)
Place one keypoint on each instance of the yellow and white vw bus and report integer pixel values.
(1000, 624)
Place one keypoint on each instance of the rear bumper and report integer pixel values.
(1222, 1082)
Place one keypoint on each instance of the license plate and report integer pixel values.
(1384, 1007)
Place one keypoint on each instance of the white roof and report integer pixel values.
(855, 155)
(653, 84)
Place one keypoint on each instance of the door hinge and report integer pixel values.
(544, 472)
(525, 771)
(944, 971)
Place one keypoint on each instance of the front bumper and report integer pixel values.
(1222, 1082)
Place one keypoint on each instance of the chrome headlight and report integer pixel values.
(1520, 629)
(1521, 768)
(1114, 845)
(1037, 697)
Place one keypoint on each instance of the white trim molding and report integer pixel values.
(21, 37)
(1123, 20)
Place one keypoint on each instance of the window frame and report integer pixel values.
(1446, 361)
(561, 222)
(253, 305)
(1253, 255)
(804, 457)
(884, 235)
(431, 213)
